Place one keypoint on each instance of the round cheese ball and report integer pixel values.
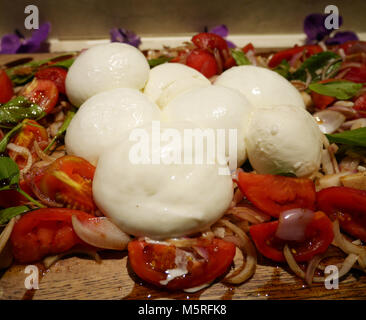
(168, 80)
(102, 119)
(284, 139)
(214, 107)
(163, 199)
(262, 87)
(105, 67)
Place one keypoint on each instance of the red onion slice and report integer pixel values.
(292, 224)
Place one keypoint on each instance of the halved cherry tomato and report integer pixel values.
(274, 194)
(151, 261)
(287, 54)
(248, 47)
(203, 61)
(353, 47)
(30, 132)
(55, 74)
(360, 105)
(12, 198)
(6, 87)
(356, 74)
(348, 205)
(43, 232)
(42, 92)
(206, 40)
(319, 235)
(68, 181)
(322, 101)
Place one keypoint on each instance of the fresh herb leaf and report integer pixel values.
(9, 174)
(64, 63)
(313, 65)
(355, 137)
(283, 69)
(240, 57)
(155, 62)
(18, 109)
(7, 214)
(341, 89)
(5, 140)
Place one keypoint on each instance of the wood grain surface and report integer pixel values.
(83, 278)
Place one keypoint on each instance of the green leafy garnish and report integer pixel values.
(7, 214)
(5, 140)
(341, 89)
(240, 57)
(356, 138)
(283, 69)
(155, 62)
(18, 109)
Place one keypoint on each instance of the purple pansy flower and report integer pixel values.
(16, 43)
(222, 31)
(125, 36)
(315, 30)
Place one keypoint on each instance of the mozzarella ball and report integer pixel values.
(168, 80)
(161, 200)
(284, 139)
(105, 67)
(262, 87)
(215, 108)
(102, 119)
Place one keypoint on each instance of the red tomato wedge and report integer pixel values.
(348, 205)
(248, 47)
(206, 40)
(203, 61)
(151, 261)
(6, 87)
(360, 105)
(12, 198)
(274, 194)
(42, 92)
(55, 74)
(319, 235)
(356, 74)
(43, 232)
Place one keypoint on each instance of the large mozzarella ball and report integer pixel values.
(262, 87)
(284, 139)
(105, 67)
(160, 199)
(102, 119)
(215, 108)
(168, 80)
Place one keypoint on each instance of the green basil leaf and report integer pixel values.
(240, 57)
(314, 64)
(5, 140)
(9, 173)
(283, 69)
(341, 89)
(64, 63)
(155, 62)
(355, 137)
(18, 109)
(7, 214)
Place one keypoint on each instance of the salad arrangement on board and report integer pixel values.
(298, 196)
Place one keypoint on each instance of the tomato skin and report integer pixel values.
(346, 204)
(12, 198)
(149, 261)
(6, 87)
(42, 92)
(206, 40)
(360, 105)
(248, 47)
(203, 61)
(321, 101)
(55, 74)
(43, 232)
(274, 194)
(357, 75)
(319, 235)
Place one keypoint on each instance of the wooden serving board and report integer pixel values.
(83, 278)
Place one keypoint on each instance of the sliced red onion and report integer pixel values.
(292, 224)
(328, 120)
(348, 112)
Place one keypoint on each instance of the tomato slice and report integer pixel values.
(356, 74)
(275, 194)
(151, 262)
(55, 74)
(6, 87)
(360, 105)
(30, 132)
(203, 61)
(248, 47)
(42, 92)
(206, 40)
(319, 235)
(322, 101)
(68, 181)
(43, 232)
(348, 205)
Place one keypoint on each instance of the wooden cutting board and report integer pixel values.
(83, 278)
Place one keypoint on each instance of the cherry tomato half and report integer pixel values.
(55, 74)
(206, 40)
(203, 61)
(43, 232)
(346, 204)
(42, 92)
(6, 87)
(360, 105)
(356, 74)
(274, 194)
(319, 235)
(151, 261)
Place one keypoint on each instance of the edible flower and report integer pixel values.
(222, 31)
(125, 36)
